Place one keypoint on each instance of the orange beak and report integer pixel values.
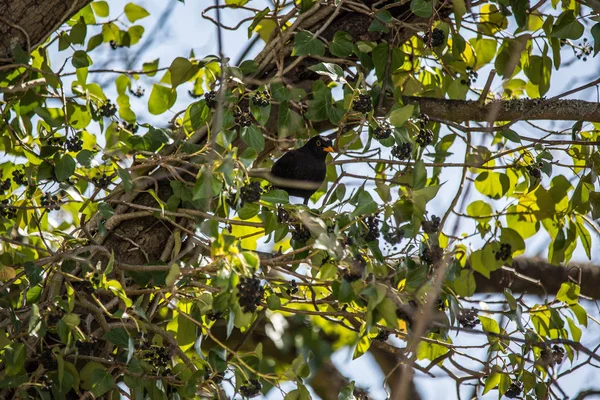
(328, 149)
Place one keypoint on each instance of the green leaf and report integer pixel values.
(399, 116)
(253, 137)
(102, 382)
(150, 67)
(492, 184)
(569, 293)
(135, 12)
(276, 196)
(365, 204)
(460, 10)
(126, 178)
(64, 168)
(567, 26)
(489, 324)
(595, 31)
(342, 45)
(421, 8)
(273, 302)
(100, 8)
(80, 59)
(182, 70)
(511, 135)
(161, 99)
(305, 45)
(347, 392)
(248, 211)
(118, 336)
(333, 71)
(380, 22)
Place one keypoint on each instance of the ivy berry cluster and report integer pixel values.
(242, 118)
(4, 185)
(103, 181)
(472, 76)
(293, 289)
(402, 151)
(373, 228)
(383, 131)
(251, 192)
(250, 293)
(434, 38)
(108, 109)
(211, 99)
(431, 227)
(504, 252)
(432, 255)
(514, 390)
(362, 104)
(468, 318)
(251, 389)
(261, 98)
(7, 211)
(300, 234)
(74, 144)
(50, 202)
(19, 177)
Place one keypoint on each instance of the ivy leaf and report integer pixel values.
(567, 26)
(379, 24)
(182, 70)
(595, 31)
(342, 45)
(399, 116)
(333, 71)
(102, 382)
(276, 196)
(135, 12)
(252, 136)
(421, 8)
(306, 45)
(161, 99)
(64, 168)
(365, 204)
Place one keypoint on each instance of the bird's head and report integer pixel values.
(319, 146)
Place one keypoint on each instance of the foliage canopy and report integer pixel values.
(139, 260)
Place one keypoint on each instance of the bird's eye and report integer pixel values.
(318, 142)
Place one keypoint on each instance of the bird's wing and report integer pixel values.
(293, 166)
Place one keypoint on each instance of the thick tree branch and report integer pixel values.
(27, 23)
(541, 278)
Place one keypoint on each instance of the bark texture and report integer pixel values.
(27, 23)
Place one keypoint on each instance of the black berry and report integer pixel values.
(468, 318)
(261, 99)
(514, 390)
(362, 104)
(251, 389)
(251, 192)
(434, 38)
(431, 227)
(242, 118)
(300, 234)
(74, 144)
(504, 252)
(402, 151)
(383, 131)
(211, 99)
(424, 138)
(250, 293)
(373, 226)
(108, 109)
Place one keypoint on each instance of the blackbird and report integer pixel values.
(302, 171)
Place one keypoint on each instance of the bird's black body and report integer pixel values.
(306, 164)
